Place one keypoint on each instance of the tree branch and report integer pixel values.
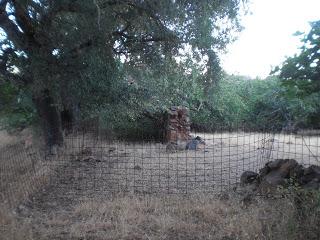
(139, 6)
(11, 28)
(76, 50)
(4, 58)
(22, 18)
(56, 8)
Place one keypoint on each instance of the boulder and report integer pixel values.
(287, 167)
(278, 172)
(265, 170)
(310, 173)
(281, 163)
(297, 172)
(314, 184)
(275, 164)
(273, 178)
(248, 177)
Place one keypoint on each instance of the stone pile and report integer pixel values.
(281, 172)
(178, 125)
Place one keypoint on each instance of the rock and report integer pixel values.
(137, 167)
(275, 164)
(287, 167)
(311, 173)
(264, 171)
(297, 172)
(314, 184)
(278, 172)
(195, 144)
(274, 178)
(248, 177)
(265, 187)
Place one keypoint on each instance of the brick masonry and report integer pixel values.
(178, 125)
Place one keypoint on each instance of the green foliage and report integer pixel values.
(300, 75)
(129, 61)
(302, 71)
(255, 104)
(66, 37)
(81, 53)
(17, 110)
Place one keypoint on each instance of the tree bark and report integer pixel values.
(50, 119)
(70, 117)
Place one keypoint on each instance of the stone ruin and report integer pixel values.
(177, 131)
(177, 125)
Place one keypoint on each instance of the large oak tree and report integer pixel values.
(52, 46)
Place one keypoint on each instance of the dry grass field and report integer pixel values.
(149, 217)
(89, 189)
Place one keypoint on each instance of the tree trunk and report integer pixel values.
(70, 117)
(50, 119)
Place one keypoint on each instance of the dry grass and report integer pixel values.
(6, 138)
(22, 172)
(132, 217)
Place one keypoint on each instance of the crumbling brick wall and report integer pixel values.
(178, 125)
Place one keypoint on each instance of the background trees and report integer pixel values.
(127, 61)
(69, 51)
(300, 75)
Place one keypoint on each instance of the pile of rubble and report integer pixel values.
(282, 172)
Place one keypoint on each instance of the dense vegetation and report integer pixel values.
(75, 55)
(300, 74)
(133, 60)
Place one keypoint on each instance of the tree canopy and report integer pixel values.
(300, 75)
(302, 71)
(53, 37)
(68, 50)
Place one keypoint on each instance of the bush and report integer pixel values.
(17, 110)
(305, 220)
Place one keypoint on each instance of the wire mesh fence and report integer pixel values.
(22, 172)
(93, 164)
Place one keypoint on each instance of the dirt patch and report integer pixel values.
(7, 139)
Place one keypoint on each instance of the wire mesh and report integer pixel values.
(93, 164)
